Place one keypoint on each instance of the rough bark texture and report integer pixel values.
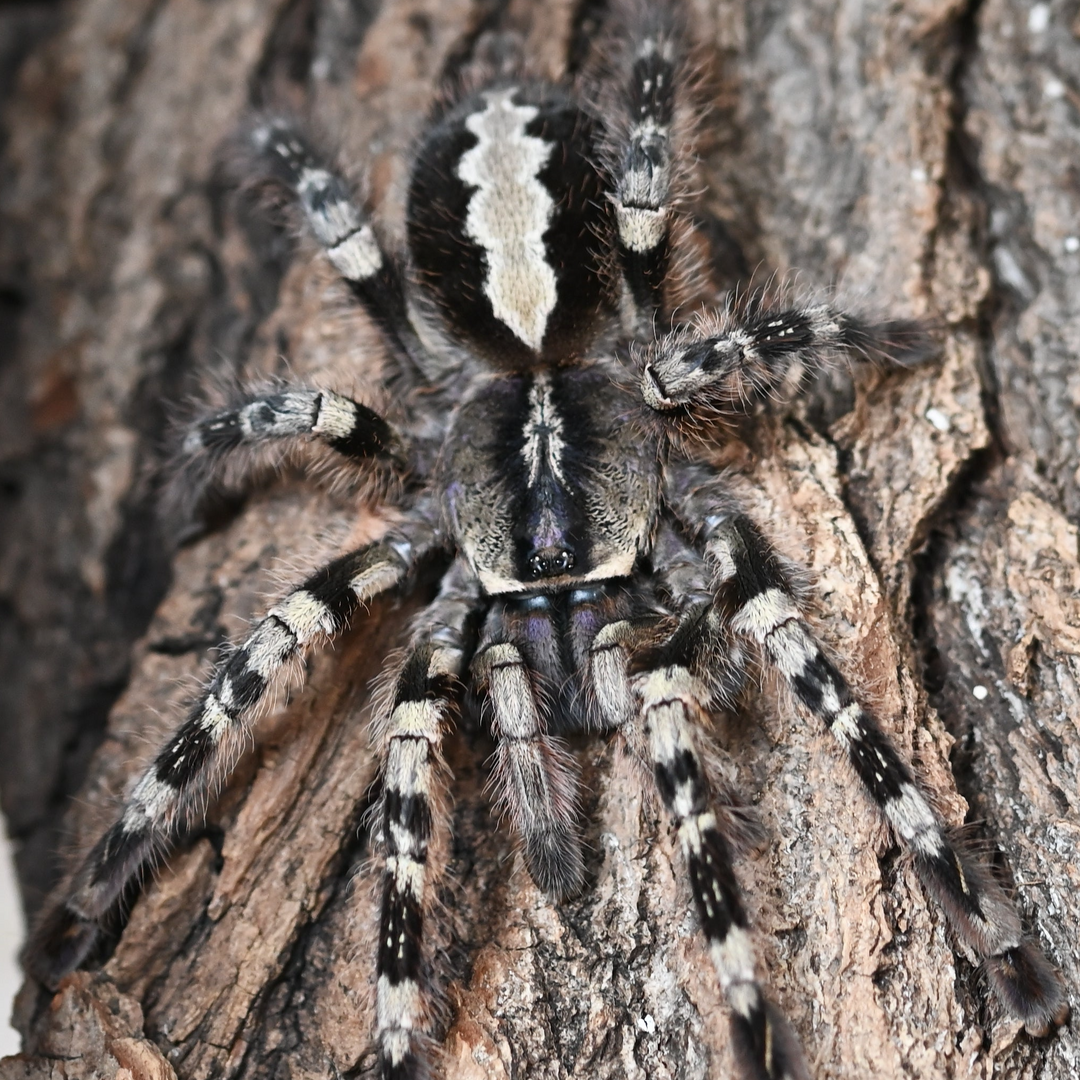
(924, 155)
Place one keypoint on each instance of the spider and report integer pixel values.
(601, 576)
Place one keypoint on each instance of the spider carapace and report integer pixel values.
(545, 397)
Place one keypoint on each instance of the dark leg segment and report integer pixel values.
(756, 592)
(412, 740)
(200, 754)
(729, 363)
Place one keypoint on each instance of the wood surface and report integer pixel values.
(920, 157)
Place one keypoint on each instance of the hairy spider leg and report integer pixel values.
(411, 741)
(343, 229)
(198, 757)
(671, 703)
(534, 775)
(345, 426)
(753, 352)
(755, 590)
(228, 444)
(643, 157)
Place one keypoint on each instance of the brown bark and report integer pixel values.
(921, 153)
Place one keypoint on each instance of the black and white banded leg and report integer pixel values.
(672, 706)
(342, 228)
(288, 415)
(755, 589)
(535, 777)
(659, 711)
(411, 805)
(200, 754)
(729, 363)
(644, 159)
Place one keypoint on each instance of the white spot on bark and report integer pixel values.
(1010, 271)
(938, 419)
(966, 590)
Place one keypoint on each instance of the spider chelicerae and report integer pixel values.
(600, 576)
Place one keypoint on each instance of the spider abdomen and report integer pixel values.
(510, 231)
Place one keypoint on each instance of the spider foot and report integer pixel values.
(765, 1046)
(1029, 987)
(554, 859)
(61, 942)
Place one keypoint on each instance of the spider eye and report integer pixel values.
(550, 562)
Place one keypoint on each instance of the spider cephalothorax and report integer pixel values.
(544, 390)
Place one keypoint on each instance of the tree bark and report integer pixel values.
(921, 156)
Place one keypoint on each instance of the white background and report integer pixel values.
(11, 937)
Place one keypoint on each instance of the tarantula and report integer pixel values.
(544, 445)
